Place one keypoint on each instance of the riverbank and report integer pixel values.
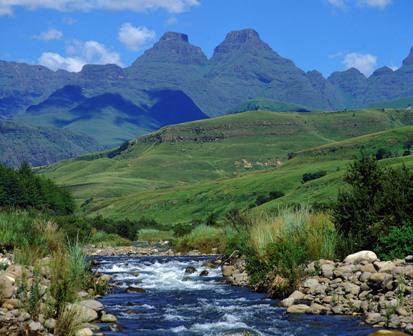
(27, 306)
(380, 292)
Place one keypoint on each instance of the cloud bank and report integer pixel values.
(79, 54)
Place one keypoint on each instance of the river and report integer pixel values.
(175, 303)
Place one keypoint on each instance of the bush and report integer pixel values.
(22, 189)
(377, 201)
(203, 238)
(383, 154)
(313, 176)
(182, 229)
(266, 198)
(103, 239)
(398, 243)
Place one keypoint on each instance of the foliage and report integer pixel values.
(68, 322)
(203, 238)
(182, 229)
(266, 198)
(153, 235)
(398, 243)
(378, 200)
(285, 241)
(313, 176)
(22, 189)
(103, 239)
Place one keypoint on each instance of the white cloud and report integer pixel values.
(172, 6)
(171, 21)
(56, 61)
(375, 3)
(135, 38)
(50, 35)
(80, 53)
(365, 63)
(337, 3)
(363, 3)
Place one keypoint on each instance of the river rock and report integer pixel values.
(84, 332)
(84, 313)
(108, 318)
(373, 318)
(190, 270)
(92, 304)
(50, 323)
(204, 273)
(7, 288)
(357, 258)
(35, 326)
(298, 309)
(379, 280)
(384, 266)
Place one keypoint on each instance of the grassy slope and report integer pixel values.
(157, 179)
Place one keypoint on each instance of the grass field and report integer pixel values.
(191, 170)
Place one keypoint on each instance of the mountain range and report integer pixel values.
(174, 82)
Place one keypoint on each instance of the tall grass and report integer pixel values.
(315, 231)
(203, 238)
(153, 235)
(284, 242)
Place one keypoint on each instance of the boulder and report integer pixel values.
(240, 332)
(384, 266)
(204, 273)
(373, 318)
(35, 326)
(190, 270)
(85, 314)
(50, 323)
(327, 270)
(92, 304)
(388, 333)
(298, 309)
(84, 332)
(288, 302)
(228, 270)
(108, 318)
(379, 280)
(7, 288)
(358, 257)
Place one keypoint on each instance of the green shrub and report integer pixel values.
(377, 201)
(313, 176)
(267, 198)
(182, 229)
(23, 189)
(398, 243)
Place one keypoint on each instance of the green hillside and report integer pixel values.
(40, 145)
(190, 170)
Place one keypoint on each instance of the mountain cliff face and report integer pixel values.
(243, 67)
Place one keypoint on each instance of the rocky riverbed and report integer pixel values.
(25, 301)
(379, 291)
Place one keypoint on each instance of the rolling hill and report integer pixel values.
(186, 171)
(40, 145)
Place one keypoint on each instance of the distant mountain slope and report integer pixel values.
(243, 67)
(109, 117)
(268, 105)
(40, 145)
(176, 157)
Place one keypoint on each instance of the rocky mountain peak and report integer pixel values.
(173, 36)
(173, 47)
(241, 39)
(409, 59)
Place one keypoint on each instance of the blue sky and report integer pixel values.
(327, 35)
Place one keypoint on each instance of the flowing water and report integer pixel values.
(175, 303)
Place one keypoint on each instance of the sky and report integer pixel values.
(326, 35)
